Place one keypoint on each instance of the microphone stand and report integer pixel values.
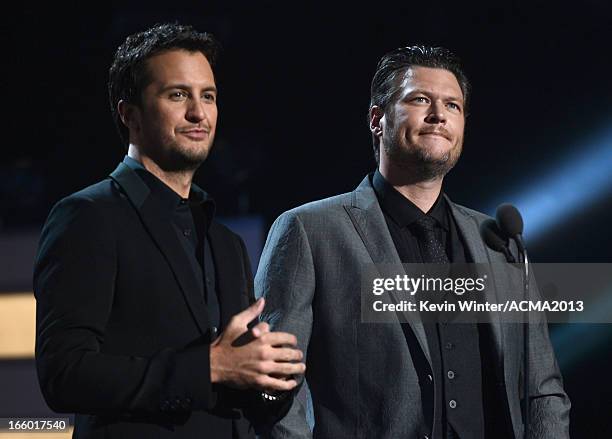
(523, 259)
(509, 224)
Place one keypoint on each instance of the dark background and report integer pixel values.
(294, 93)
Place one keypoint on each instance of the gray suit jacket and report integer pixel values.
(361, 376)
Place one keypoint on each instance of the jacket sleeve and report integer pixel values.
(261, 413)
(286, 278)
(74, 285)
(549, 404)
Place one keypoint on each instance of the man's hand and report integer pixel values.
(258, 358)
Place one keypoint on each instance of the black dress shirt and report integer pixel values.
(184, 214)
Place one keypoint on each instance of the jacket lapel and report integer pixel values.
(469, 229)
(370, 224)
(163, 234)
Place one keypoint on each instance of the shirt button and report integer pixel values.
(213, 331)
(452, 403)
(187, 232)
(425, 436)
(449, 346)
(450, 374)
(429, 378)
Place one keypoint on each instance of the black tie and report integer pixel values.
(432, 250)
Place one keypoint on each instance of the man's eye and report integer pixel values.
(421, 99)
(210, 97)
(178, 95)
(453, 106)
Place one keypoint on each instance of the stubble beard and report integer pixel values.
(172, 156)
(418, 160)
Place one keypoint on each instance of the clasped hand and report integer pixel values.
(257, 358)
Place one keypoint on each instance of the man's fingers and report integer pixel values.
(279, 339)
(252, 312)
(285, 370)
(260, 329)
(286, 354)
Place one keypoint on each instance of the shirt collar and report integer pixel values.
(403, 211)
(170, 199)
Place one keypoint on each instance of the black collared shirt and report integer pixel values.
(185, 214)
(400, 213)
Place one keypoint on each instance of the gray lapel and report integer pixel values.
(469, 228)
(368, 219)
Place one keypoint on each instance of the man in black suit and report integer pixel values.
(143, 300)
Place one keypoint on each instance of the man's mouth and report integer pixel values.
(195, 133)
(442, 134)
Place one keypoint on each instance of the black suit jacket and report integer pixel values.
(123, 333)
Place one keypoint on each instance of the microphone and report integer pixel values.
(510, 223)
(495, 239)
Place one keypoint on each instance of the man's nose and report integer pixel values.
(195, 112)
(436, 113)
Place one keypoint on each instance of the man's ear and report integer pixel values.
(376, 115)
(129, 114)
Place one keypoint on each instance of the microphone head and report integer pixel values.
(492, 236)
(509, 220)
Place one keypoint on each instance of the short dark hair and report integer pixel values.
(128, 75)
(394, 65)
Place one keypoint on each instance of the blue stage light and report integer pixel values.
(573, 183)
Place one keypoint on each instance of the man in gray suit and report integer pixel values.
(411, 379)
